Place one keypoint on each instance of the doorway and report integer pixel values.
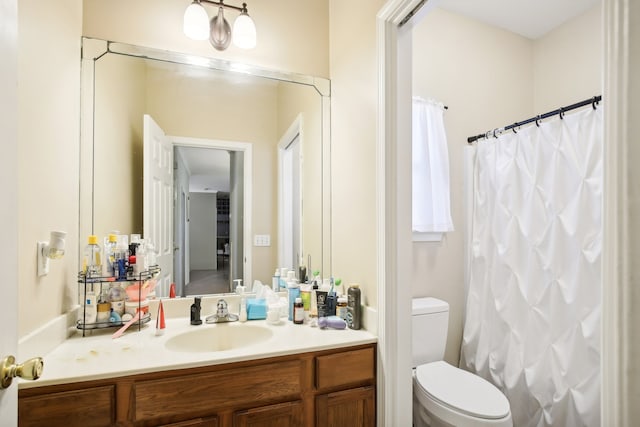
(212, 194)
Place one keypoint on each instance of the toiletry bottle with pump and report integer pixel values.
(92, 259)
(353, 306)
(239, 288)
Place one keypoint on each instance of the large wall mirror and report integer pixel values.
(223, 167)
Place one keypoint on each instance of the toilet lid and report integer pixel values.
(462, 390)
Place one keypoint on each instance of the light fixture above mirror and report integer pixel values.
(197, 25)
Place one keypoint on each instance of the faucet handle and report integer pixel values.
(222, 308)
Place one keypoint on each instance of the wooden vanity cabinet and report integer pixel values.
(326, 388)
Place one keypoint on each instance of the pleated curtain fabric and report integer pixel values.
(431, 207)
(533, 310)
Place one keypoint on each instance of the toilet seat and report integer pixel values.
(461, 392)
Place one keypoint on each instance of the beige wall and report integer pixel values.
(48, 134)
(494, 78)
(487, 82)
(561, 78)
(292, 34)
(354, 97)
(120, 102)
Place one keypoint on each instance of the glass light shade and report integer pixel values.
(196, 22)
(244, 32)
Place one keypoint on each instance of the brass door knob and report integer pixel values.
(29, 370)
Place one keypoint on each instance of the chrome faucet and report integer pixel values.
(222, 314)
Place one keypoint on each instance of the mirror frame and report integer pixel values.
(92, 49)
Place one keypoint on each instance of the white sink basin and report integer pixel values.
(219, 337)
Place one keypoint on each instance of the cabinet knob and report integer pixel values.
(29, 370)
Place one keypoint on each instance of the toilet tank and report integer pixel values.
(430, 321)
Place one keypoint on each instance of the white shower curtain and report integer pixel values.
(532, 323)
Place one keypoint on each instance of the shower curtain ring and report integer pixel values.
(538, 120)
(561, 113)
(494, 132)
(515, 125)
(594, 103)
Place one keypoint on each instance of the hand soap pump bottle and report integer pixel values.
(239, 288)
(195, 311)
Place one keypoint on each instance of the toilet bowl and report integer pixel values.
(443, 395)
(447, 396)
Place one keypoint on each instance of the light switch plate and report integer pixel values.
(262, 240)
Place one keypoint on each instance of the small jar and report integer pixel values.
(341, 308)
(298, 311)
(104, 310)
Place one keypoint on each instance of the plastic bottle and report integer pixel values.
(109, 253)
(243, 310)
(275, 281)
(239, 288)
(89, 310)
(298, 311)
(302, 271)
(294, 292)
(305, 295)
(341, 308)
(283, 278)
(142, 262)
(92, 260)
(353, 306)
(121, 260)
(116, 298)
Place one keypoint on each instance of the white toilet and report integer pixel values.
(444, 395)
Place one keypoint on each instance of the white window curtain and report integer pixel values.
(430, 161)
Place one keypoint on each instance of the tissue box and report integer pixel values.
(256, 308)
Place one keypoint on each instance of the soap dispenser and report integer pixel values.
(239, 288)
(195, 311)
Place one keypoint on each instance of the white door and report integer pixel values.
(9, 194)
(157, 223)
(290, 205)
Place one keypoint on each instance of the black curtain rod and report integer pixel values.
(593, 101)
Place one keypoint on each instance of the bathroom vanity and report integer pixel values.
(277, 382)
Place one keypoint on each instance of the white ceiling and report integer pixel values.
(529, 18)
(209, 168)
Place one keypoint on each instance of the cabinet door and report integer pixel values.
(353, 408)
(200, 422)
(288, 414)
(88, 407)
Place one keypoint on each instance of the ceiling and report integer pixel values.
(209, 168)
(529, 18)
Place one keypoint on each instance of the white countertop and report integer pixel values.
(99, 356)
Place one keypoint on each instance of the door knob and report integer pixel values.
(29, 370)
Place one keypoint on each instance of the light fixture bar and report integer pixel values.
(221, 3)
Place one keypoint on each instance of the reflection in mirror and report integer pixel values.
(272, 130)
